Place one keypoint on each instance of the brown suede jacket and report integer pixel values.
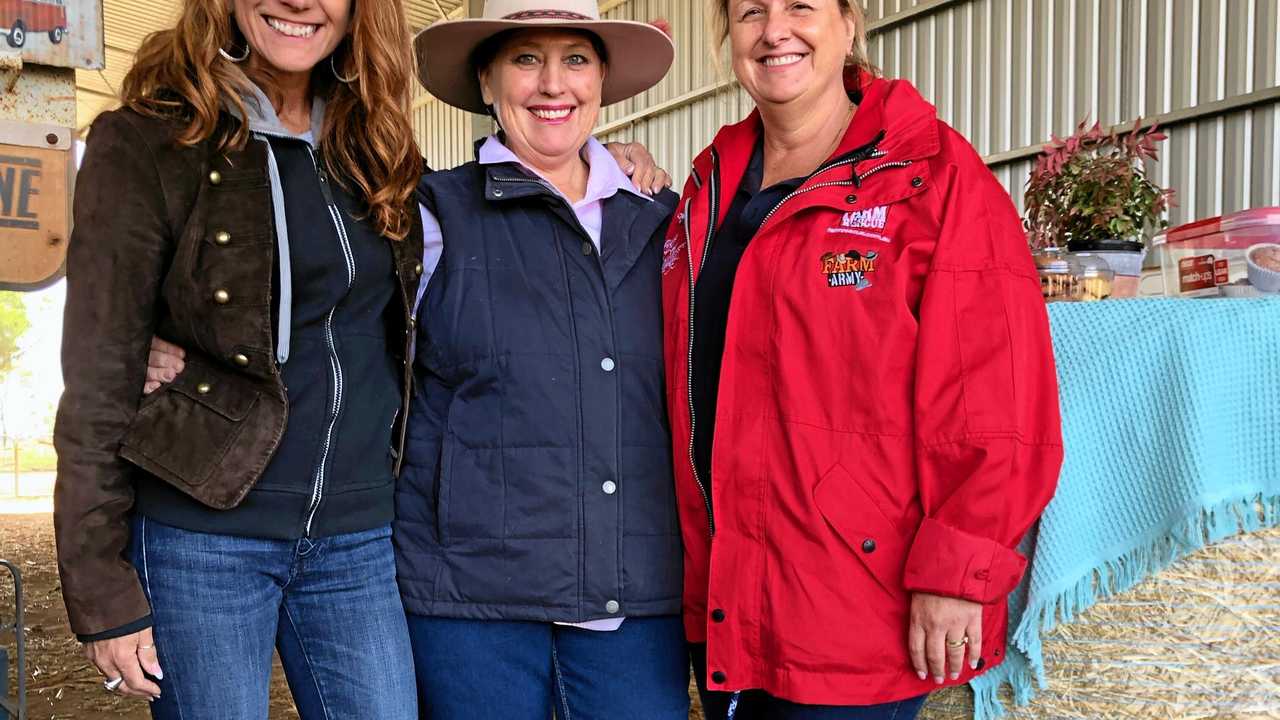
(172, 241)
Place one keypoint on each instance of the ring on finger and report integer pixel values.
(113, 684)
(953, 644)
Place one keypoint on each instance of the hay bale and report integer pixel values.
(1199, 640)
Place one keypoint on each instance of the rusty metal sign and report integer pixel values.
(62, 33)
(36, 170)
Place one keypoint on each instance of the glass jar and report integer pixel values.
(1094, 278)
(1057, 276)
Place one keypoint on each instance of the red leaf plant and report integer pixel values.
(1094, 185)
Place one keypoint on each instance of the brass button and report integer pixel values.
(222, 297)
(204, 388)
(222, 237)
(240, 359)
(215, 177)
(417, 269)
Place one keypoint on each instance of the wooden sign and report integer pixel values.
(35, 203)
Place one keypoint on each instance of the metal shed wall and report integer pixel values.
(1007, 74)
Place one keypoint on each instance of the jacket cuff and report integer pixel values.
(131, 628)
(953, 563)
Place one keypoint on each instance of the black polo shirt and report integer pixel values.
(714, 290)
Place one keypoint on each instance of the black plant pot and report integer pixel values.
(1109, 245)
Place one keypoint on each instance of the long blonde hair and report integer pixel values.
(858, 58)
(367, 140)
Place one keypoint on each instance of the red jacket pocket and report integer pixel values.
(874, 538)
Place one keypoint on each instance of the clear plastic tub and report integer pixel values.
(1198, 258)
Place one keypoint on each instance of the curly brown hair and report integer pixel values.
(367, 139)
(858, 59)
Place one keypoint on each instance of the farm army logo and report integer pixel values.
(850, 268)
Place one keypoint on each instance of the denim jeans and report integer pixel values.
(758, 705)
(502, 670)
(221, 604)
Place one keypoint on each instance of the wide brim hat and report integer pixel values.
(639, 54)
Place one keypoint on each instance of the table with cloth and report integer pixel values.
(1171, 424)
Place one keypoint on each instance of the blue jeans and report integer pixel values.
(329, 606)
(759, 705)
(501, 670)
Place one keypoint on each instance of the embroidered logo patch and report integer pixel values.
(671, 252)
(867, 223)
(849, 269)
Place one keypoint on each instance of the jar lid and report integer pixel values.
(1091, 266)
(1052, 261)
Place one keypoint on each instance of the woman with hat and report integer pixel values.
(849, 294)
(536, 533)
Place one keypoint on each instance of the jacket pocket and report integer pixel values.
(858, 521)
(184, 434)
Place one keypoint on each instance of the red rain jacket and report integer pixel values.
(887, 420)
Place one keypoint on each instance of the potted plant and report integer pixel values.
(1091, 193)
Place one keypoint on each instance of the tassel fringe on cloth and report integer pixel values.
(1171, 424)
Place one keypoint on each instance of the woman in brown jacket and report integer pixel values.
(253, 201)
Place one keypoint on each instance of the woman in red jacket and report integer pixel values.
(860, 379)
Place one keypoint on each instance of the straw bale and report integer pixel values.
(1199, 640)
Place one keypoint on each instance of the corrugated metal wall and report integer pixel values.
(1007, 74)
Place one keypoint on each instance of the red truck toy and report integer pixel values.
(18, 18)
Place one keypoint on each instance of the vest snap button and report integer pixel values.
(612, 607)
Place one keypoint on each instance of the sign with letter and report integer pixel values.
(36, 170)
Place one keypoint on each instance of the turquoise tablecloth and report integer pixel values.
(1171, 423)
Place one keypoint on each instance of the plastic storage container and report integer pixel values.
(1198, 258)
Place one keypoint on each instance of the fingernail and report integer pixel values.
(159, 674)
(938, 679)
(923, 676)
(955, 676)
(973, 664)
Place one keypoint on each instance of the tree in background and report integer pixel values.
(13, 324)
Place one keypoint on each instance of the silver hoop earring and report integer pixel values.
(334, 67)
(236, 60)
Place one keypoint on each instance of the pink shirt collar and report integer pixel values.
(604, 181)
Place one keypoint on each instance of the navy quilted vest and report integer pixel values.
(538, 481)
